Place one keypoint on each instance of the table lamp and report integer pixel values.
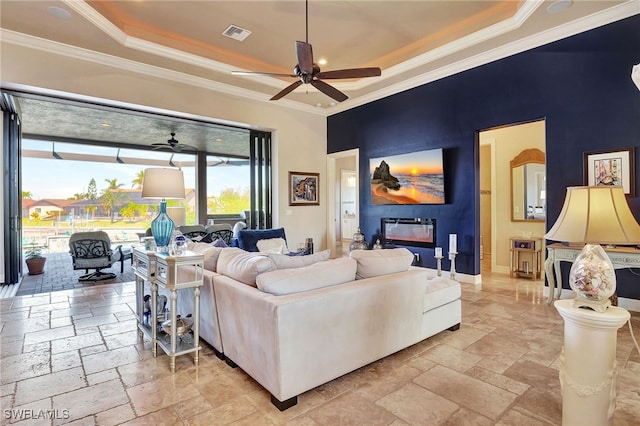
(163, 184)
(178, 215)
(594, 215)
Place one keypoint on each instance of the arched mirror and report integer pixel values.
(528, 186)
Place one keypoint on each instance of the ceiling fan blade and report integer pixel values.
(328, 90)
(350, 73)
(290, 88)
(304, 52)
(267, 74)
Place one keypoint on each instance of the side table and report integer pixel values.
(160, 269)
(519, 245)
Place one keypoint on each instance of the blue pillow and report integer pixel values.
(247, 238)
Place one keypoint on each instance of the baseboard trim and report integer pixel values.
(462, 278)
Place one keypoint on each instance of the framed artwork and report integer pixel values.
(413, 178)
(611, 168)
(303, 189)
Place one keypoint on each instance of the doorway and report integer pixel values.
(497, 147)
(338, 162)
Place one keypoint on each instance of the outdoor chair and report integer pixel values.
(92, 250)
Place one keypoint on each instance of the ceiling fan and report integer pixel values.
(174, 145)
(308, 72)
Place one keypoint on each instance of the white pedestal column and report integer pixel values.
(588, 363)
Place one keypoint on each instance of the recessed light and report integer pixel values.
(318, 105)
(322, 61)
(106, 125)
(218, 139)
(59, 12)
(559, 6)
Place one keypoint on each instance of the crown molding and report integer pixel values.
(82, 54)
(595, 20)
(495, 30)
(106, 26)
(608, 16)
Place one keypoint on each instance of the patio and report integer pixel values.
(59, 275)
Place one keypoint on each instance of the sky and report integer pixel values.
(61, 179)
(416, 163)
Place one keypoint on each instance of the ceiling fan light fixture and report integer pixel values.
(308, 72)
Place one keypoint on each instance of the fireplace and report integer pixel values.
(417, 232)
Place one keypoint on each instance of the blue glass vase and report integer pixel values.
(162, 228)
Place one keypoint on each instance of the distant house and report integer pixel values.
(61, 209)
(45, 208)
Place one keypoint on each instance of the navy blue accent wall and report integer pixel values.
(580, 85)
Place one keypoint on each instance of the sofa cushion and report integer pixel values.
(440, 291)
(243, 266)
(283, 261)
(209, 252)
(272, 245)
(372, 263)
(247, 238)
(321, 274)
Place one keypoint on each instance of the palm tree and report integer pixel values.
(137, 182)
(27, 194)
(111, 196)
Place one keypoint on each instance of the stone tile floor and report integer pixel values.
(59, 275)
(76, 353)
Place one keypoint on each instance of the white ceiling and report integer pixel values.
(413, 42)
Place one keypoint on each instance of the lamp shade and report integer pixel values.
(595, 214)
(163, 183)
(177, 214)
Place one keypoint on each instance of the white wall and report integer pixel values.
(299, 137)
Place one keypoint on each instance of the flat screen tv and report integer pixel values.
(413, 178)
(417, 232)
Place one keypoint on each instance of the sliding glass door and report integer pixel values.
(11, 187)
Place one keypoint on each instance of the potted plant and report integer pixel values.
(35, 260)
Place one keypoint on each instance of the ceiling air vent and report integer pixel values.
(236, 33)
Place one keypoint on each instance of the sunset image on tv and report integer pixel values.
(413, 178)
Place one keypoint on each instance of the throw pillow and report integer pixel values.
(239, 226)
(311, 277)
(372, 263)
(283, 261)
(219, 243)
(272, 245)
(243, 266)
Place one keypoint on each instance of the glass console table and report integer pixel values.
(171, 273)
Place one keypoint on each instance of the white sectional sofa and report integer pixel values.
(294, 324)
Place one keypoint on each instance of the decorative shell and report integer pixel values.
(592, 275)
